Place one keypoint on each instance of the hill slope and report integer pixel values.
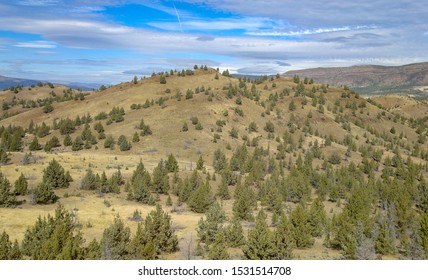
(288, 143)
(372, 78)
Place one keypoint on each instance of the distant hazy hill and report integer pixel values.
(7, 82)
(372, 78)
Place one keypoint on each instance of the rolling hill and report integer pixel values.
(291, 145)
(372, 79)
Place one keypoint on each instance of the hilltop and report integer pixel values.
(292, 145)
(372, 79)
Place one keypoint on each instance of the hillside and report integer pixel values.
(372, 79)
(291, 148)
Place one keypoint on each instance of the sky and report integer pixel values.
(110, 41)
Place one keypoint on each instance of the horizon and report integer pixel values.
(108, 42)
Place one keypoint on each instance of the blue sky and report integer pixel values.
(110, 41)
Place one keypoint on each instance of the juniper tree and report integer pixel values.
(235, 233)
(260, 242)
(55, 176)
(283, 238)
(89, 181)
(171, 164)
(245, 202)
(21, 185)
(54, 237)
(160, 180)
(209, 227)
(158, 229)
(34, 145)
(140, 247)
(201, 198)
(200, 163)
(5, 246)
(299, 218)
(115, 241)
(7, 197)
(218, 249)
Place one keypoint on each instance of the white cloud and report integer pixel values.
(309, 31)
(36, 45)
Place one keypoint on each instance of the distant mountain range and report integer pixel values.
(7, 82)
(372, 79)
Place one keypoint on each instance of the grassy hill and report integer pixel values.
(285, 125)
(373, 79)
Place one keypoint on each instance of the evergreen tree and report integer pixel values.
(423, 232)
(5, 246)
(244, 203)
(135, 138)
(44, 194)
(317, 217)
(219, 161)
(260, 243)
(123, 143)
(34, 145)
(89, 181)
(160, 180)
(140, 185)
(283, 238)
(4, 156)
(171, 164)
(21, 185)
(302, 229)
(235, 233)
(54, 176)
(223, 190)
(67, 140)
(218, 250)
(140, 247)
(200, 163)
(7, 197)
(201, 198)
(77, 144)
(93, 250)
(158, 229)
(115, 242)
(56, 237)
(209, 227)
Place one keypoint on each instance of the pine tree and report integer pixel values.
(235, 233)
(200, 163)
(54, 237)
(160, 180)
(5, 246)
(44, 194)
(54, 176)
(140, 247)
(299, 218)
(244, 203)
(201, 198)
(4, 156)
(135, 137)
(88, 181)
(7, 197)
(423, 232)
(21, 185)
(213, 223)
(93, 250)
(171, 164)
(223, 190)
(260, 243)
(159, 230)
(115, 242)
(34, 145)
(218, 250)
(283, 238)
(317, 217)
(67, 140)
